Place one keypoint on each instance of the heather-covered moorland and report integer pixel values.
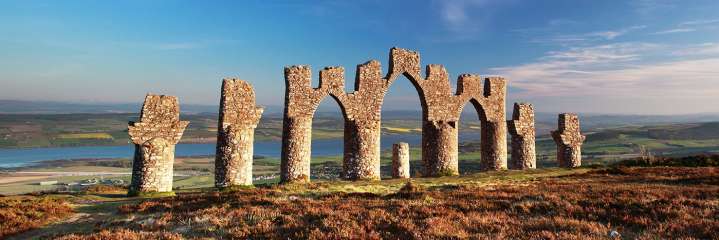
(626, 202)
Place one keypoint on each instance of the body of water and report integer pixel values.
(324, 147)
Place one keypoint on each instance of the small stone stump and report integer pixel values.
(239, 117)
(521, 127)
(155, 137)
(400, 160)
(569, 141)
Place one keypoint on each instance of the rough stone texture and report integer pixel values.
(441, 111)
(362, 112)
(155, 137)
(521, 127)
(569, 141)
(400, 160)
(239, 117)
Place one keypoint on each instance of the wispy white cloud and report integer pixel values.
(704, 49)
(465, 19)
(616, 70)
(564, 39)
(609, 35)
(699, 22)
(676, 30)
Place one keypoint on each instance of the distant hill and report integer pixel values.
(699, 131)
(49, 107)
(545, 121)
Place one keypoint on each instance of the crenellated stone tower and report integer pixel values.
(569, 141)
(239, 117)
(155, 137)
(362, 113)
(521, 127)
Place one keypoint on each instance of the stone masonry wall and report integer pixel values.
(155, 137)
(362, 112)
(521, 127)
(569, 141)
(239, 117)
(400, 160)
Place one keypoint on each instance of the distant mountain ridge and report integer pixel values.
(52, 107)
(589, 120)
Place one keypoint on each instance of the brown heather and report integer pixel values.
(641, 203)
(22, 213)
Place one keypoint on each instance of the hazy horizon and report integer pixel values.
(648, 57)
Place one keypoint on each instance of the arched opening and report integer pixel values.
(327, 140)
(470, 137)
(402, 114)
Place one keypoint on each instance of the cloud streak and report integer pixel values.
(699, 22)
(569, 39)
(676, 30)
(617, 70)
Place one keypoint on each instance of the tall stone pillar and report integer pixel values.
(494, 127)
(362, 109)
(440, 148)
(494, 145)
(301, 101)
(521, 127)
(361, 150)
(155, 137)
(296, 149)
(569, 141)
(400, 160)
(239, 117)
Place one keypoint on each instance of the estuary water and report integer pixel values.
(320, 147)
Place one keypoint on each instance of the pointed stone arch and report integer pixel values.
(362, 112)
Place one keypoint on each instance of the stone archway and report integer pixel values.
(362, 112)
(301, 102)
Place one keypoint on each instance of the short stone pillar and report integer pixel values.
(440, 148)
(400, 160)
(239, 117)
(155, 136)
(569, 141)
(521, 127)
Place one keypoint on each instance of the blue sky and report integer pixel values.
(641, 56)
